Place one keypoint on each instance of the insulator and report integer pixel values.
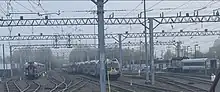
(187, 14)
(113, 14)
(217, 13)
(41, 34)
(19, 34)
(162, 31)
(181, 30)
(206, 30)
(46, 17)
(21, 18)
(139, 16)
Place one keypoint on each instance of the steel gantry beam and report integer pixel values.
(108, 45)
(68, 21)
(107, 21)
(107, 36)
(187, 19)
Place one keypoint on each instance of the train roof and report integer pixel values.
(195, 60)
(78, 63)
(112, 61)
(94, 61)
(34, 63)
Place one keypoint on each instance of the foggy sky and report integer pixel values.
(170, 8)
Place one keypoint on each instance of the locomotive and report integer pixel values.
(33, 70)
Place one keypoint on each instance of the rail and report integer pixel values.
(11, 86)
(181, 85)
(32, 86)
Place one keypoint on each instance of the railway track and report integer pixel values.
(71, 85)
(32, 86)
(181, 85)
(192, 79)
(59, 85)
(114, 87)
(77, 86)
(145, 87)
(11, 86)
(205, 77)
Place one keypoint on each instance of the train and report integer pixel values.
(33, 70)
(92, 68)
(200, 64)
(194, 65)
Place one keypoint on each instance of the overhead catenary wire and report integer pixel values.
(134, 8)
(32, 5)
(204, 7)
(154, 5)
(23, 6)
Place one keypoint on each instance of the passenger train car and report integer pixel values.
(200, 64)
(33, 70)
(68, 68)
(93, 68)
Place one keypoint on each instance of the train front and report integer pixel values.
(113, 69)
(30, 70)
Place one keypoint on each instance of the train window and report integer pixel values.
(112, 65)
(193, 64)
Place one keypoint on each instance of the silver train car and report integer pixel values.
(200, 64)
(33, 70)
(67, 68)
(93, 68)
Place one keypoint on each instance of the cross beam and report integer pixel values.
(107, 36)
(107, 21)
(110, 45)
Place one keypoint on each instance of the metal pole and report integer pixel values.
(195, 49)
(94, 30)
(11, 59)
(187, 51)
(3, 54)
(178, 49)
(101, 40)
(141, 57)
(20, 65)
(145, 36)
(120, 50)
(151, 49)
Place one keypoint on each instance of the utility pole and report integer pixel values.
(187, 51)
(195, 49)
(145, 36)
(10, 47)
(3, 52)
(178, 47)
(120, 50)
(140, 55)
(101, 40)
(151, 49)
